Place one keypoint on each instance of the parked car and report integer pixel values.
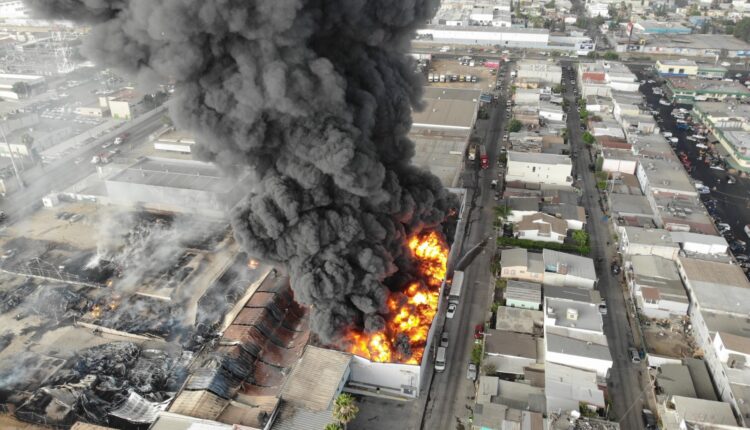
(603, 308)
(451, 311)
(471, 372)
(635, 357)
(444, 339)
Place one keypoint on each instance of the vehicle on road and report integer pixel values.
(747, 231)
(472, 152)
(635, 357)
(471, 372)
(664, 102)
(667, 134)
(484, 157)
(8, 254)
(615, 268)
(451, 311)
(603, 308)
(456, 283)
(121, 138)
(444, 339)
(674, 139)
(649, 420)
(107, 145)
(440, 359)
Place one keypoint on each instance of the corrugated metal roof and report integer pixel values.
(316, 378)
(199, 404)
(292, 418)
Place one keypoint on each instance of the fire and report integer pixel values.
(252, 264)
(96, 312)
(412, 311)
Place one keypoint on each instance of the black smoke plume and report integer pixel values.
(315, 97)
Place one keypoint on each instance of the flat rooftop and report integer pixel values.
(171, 173)
(567, 345)
(447, 108)
(660, 273)
(587, 314)
(440, 153)
(510, 343)
(519, 320)
(650, 236)
(707, 85)
(528, 157)
(727, 110)
(698, 41)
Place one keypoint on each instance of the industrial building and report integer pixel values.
(175, 186)
(475, 35)
(441, 131)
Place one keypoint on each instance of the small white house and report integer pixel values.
(542, 227)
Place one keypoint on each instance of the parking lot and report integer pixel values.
(485, 78)
(728, 199)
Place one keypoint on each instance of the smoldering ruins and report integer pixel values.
(107, 333)
(315, 98)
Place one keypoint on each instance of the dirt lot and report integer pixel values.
(667, 341)
(485, 80)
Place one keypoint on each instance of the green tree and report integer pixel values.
(581, 238)
(550, 4)
(476, 354)
(503, 212)
(489, 369)
(742, 29)
(515, 126)
(612, 56)
(344, 409)
(333, 426)
(588, 138)
(557, 89)
(584, 114)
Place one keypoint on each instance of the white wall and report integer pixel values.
(557, 279)
(601, 367)
(387, 376)
(554, 174)
(520, 273)
(622, 166)
(534, 235)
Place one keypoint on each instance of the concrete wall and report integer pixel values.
(391, 378)
(166, 199)
(521, 273)
(534, 235)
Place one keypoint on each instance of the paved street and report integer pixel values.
(624, 386)
(64, 173)
(451, 393)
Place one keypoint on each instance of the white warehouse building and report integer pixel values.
(536, 168)
(478, 35)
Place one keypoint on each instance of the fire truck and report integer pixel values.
(484, 157)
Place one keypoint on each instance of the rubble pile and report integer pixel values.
(104, 379)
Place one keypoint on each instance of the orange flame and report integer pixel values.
(412, 311)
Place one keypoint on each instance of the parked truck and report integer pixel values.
(456, 284)
(472, 152)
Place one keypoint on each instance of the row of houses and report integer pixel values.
(688, 296)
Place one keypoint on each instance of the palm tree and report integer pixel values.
(333, 426)
(344, 409)
(503, 212)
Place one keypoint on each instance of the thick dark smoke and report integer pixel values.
(315, 97)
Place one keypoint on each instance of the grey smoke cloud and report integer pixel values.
(315, 97)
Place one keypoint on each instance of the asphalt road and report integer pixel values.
(451, 393)
(624, 383)
(65, 172)
(732, 200)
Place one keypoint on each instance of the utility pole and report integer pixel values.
(12, 160)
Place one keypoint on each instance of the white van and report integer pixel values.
(440, 360)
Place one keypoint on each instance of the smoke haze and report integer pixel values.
(315, 97)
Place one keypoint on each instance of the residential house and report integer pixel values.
(568, 270)
(656, 287)
(521, 294)
(517, 263)
(542, 227)
(647, 241)
(509, 352)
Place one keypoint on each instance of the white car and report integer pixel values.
(451, 311)
(667, 134)
(471, 372)
(674, 139)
